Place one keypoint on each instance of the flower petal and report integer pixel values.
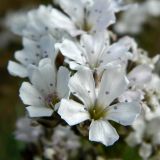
(145, 150)
(44, 78)
(123, 113)
(101, 15)
(102, 131)
(39, 111)
(16, 69)
(94, 45)
(75, 9)
(72, 112)
(82, 85)
(58, 20)
(47, 47)
(63, 76)
(30, 95)
(140, 75)
(118, 51)
(112, 85)
(131, 95)
(69, 49)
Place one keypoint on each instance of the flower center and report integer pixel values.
(87, 27)
(51, 100)
(97, 112)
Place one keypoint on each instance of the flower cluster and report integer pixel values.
(142, 12)
(78, 73)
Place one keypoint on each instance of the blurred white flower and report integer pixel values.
(63, 144)
(97, 104)
(26, 132)
(142, 12)
(64, 137)
(146, 134)
(32, 53)
(47, 88)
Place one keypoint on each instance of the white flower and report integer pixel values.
(32, 53)
(97, 104)
(88, 15)
(94, 51)
(47, 88)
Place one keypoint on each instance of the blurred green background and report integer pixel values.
(10, 105)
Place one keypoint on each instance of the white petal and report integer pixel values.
(101, 15)
(45, 61)
(63, 76)
(47, 46)
(39, 111)
(83, 86)
(43, 78)
(29, 95)
(124, 113)
(74, 9)
(16, 69)
(134, 139)
(74, 66)
(130, 96)
(102, 131)
(140, 75)
(93, 45)
(112, 85)
(72, 112)
(21, 55)
(61, 21)
(145, 150)
(71, 51)
(118, 51)
(119, 5)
